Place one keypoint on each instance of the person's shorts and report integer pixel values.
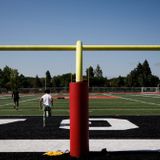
(47, 108)
(16, 99)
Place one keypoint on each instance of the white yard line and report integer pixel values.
(8, 104)
(139, 101)
(10, 97)
(94, 145)
(28, 100)
(6, 121)
(5, 97)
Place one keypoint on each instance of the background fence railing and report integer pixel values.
(91, 90)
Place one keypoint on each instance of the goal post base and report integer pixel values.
(79, 136)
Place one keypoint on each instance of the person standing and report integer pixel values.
(46, 102)
(15, 97)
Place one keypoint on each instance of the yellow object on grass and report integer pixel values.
(53, 153)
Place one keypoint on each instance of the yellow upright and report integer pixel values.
(79, 61)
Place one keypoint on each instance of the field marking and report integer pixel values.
(6, 121)
(115, 124)
(139, 101)
(114, 109)
(146, 96)
(5, 97)
(28, 100)
(44, 145)
(10, 96)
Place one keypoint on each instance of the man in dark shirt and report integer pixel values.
(15, 97)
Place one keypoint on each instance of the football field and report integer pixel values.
(121, 126)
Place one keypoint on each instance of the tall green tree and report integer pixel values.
(24, 82)
(98, 72)
(90, 75)
(142, 76)
(6, 77)
(120, 81)
(37, 83)
(1, 78)
(48, 79)
(147, 74)
(56, 81)
(146, 68)
(90, 72)
(14, 79)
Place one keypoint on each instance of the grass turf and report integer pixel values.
(124, 104)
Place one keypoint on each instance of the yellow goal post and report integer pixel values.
(79, 48)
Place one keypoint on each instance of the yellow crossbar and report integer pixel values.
(121, 47)
(79, 47)
(84, 47)
(37, 47)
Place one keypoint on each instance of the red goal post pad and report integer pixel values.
(79, 134)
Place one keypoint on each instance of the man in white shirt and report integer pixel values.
(46, 101)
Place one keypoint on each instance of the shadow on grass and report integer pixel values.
(103, 155)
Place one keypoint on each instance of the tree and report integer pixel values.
(98, 72)
(146, 68)
(90, 72)
(48, 80)
(14, 79)
(56, 81)
(6, 77)
(142, 76)
(153, 81)
(147, 74)
(1, 78)
(132, 79)
(24, 82)
(37, 83)
(120, 81)
(90, 75)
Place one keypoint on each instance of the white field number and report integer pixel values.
(115, 124)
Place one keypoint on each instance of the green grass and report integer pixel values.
(125, 104)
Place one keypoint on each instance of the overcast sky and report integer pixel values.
(91, 21)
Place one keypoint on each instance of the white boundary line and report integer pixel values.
(139, 101)
(125, 109)
(146, 96)
(95, 145)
